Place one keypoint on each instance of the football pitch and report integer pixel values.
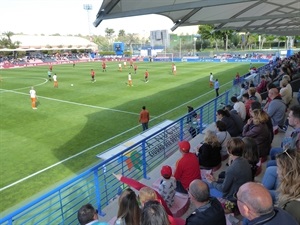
(72, 123)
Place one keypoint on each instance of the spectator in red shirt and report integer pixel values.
(187, 168)
(262, 86)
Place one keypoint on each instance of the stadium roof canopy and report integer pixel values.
(33, 42)
(277, 17)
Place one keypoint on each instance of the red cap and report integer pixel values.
(166, 172)
(184, 146)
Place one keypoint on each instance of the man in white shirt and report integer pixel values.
(33, 97)
(211, 80)
(239, 107)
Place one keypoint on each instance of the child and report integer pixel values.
(167, 185)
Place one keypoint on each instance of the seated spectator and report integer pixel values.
(257, 105)
(286, 92)
(129, 211)
(223, 137)
(270, 182)
(208, 209)
(231, 126)
(262, 86)
(239, 107)
(167, 187)
(88, 215)
(268, 99)
(257, 129)
(154, 214)
(235, 116)
(288, 169)
(187, 168)
(256, 206)
(209, 153)
(237, 173)
(276, 109)
(251, 154)
(138, 186)
(247, 103)
(292, 140)
(242, 91)
(253, 95)
(147, 194)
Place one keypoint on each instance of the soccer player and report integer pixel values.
(129, 80)
(103, 66)
(146, 76)
(135, 68)
(211, 80)
(33, 97)
(93, 75)
(50, 67)
(55, 80)
(49, 75)
(174, 69)
(131, 63)
(120, 67)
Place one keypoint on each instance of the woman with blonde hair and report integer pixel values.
(209, 153)
(288, 170)
(257, 129)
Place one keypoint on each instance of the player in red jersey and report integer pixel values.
(103, 66)
(93, 75)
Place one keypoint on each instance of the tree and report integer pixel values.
(121, 33)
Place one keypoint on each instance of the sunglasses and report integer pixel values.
(286, 152)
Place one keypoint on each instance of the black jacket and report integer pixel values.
(210, 214)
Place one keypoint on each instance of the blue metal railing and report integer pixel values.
(97, 186)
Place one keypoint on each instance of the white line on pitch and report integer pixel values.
(74, 103)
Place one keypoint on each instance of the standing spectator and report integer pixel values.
(223, 137)
(55, 80)
(167, 187)
(239, 107)
(191, 114)
(289, 187)
(276, 109)
(255, 204)
(144, 118)
(211, 80)
(129, 80)
(217, 86)
(87, 215)
(236, 174)
(187, 168)
(93, 75)
(33, 97)
(129, 211)
(146, 76)
(209, 153)
(208, 209)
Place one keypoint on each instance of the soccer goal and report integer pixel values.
(164, 57)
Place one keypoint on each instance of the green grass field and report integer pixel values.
(74, 123)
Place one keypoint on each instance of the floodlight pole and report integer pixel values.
(88, 8)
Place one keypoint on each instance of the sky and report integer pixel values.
(68, 17)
